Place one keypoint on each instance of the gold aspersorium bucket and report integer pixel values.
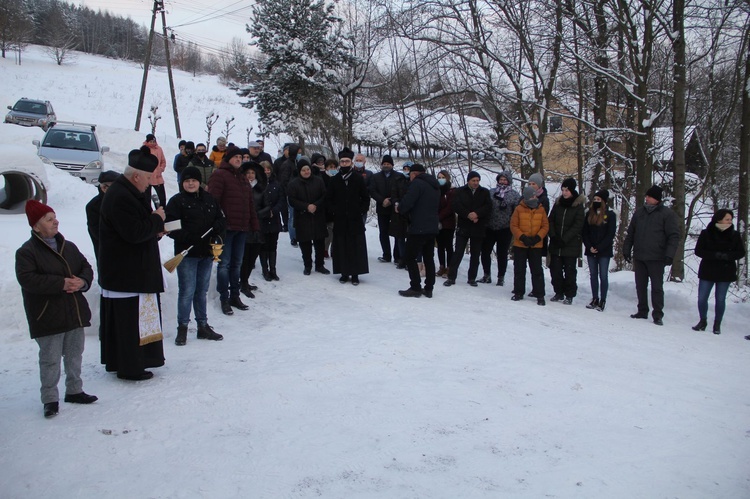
(217, 248)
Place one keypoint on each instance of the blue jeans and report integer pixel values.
(228, 273)
(292, 230)
(599, 273)
(193, 277)
(704, 291)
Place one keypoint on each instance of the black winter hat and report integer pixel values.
(346, 153)
(387, 159)
(190, 145)
(655, 192)
(189, 173)
(604, 194)
(416, 167)
(230, 153)
(570, 184)
(107, 176)
(472, 174)
(303, 161)
(142, 159)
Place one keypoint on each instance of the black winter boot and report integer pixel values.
(206, 332)
(272, 265)
(181, 338)
(701, 326)
(264, 265)
(717, 327)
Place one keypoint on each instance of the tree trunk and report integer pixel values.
(744, 181)
(678, 135)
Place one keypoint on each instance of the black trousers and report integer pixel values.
(307, 246)
(475, 247)
(564, 273)
(424, 244)
(499, 240)
(384, 225)
(645, 271)
(248, 261)
(445, 246)
(534, 258)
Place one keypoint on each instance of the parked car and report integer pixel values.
(30, 112)
(73, 147)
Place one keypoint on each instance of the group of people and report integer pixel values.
(239, 206)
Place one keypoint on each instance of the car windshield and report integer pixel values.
(24, 106)
(82, 141)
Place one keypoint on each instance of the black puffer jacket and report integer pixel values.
(274, 202)
(652, 235)
(301, 193)
(566, 226)
(197, 212)
(41, 272)
(719, 252)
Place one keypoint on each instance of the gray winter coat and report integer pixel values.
(503, 207)
(652, 236)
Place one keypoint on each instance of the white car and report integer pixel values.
(74, 148)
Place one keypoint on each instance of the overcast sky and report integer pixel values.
(209, 23)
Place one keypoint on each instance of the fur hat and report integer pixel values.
(473, 174)
(36, 210)
(346, 153)
(655, 192)
(142, 159)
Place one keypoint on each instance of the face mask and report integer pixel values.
(253, 183)
(345, 169)
(442, 181)
(299, 155)
(359, 164)
(596, 205)
(200, 154)
(722, 227)
(332, 172)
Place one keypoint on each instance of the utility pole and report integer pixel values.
(158, 7)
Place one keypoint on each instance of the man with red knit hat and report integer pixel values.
(53, 275)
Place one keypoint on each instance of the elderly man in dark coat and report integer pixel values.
(307, 195)
(420, 205)
(348, 199)
(472, 205)
(651, 242)
(130, 272)
(380, 190)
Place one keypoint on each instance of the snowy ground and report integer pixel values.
(327, 390)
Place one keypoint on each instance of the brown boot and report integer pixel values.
(442, 271)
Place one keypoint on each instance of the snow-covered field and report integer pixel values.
(327, 390)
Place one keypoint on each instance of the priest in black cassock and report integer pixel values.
(130, 272)
(349, 201)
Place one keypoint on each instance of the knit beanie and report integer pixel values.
(191, 172)
(387, 159)
(570, 184)
(537, 179)
(603, 194)
(230, 153)
(528, 197)
(473, 174)
(655, 192)
(35, 211)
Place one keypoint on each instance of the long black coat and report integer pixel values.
(349, 200)
(421, 205)
(464, 202)
(566, 226)
(197, 212)
(601, 237)
(399, 223)
(713, 244)
(129, 259)
(93, 212)
(274, 202)
(41, 272)
(302, 192)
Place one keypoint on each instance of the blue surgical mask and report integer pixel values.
(359, 164)
(332, 172)
(442, 181)
(299, 155)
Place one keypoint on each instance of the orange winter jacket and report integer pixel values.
(526, 221)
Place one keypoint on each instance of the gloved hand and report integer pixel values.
(526, 240)
(722, 256)
(668, 260)
(535, 240)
